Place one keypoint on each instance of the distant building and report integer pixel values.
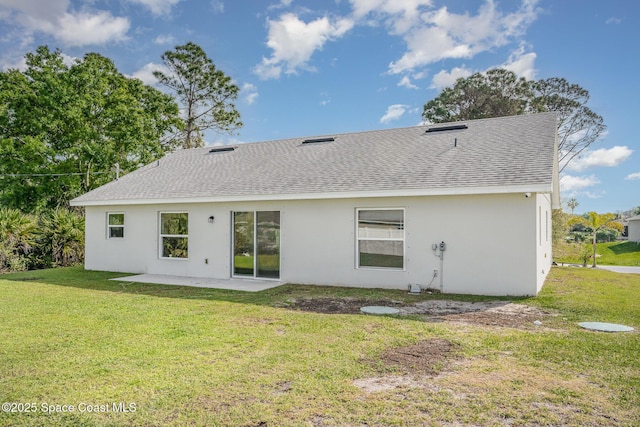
(633, 229)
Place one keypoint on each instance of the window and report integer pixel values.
(380, 238)
(547, 225)
(256, 244)
(174, 235)
(115, 225)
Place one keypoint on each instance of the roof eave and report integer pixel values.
(457, 191)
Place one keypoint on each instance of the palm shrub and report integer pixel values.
(63, 237)
(18, 234)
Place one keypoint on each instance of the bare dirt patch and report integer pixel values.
(487, 313)
(411, 365)
(424, 357)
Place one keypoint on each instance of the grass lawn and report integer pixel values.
(612, 253)
(619, 253)
(193, 356)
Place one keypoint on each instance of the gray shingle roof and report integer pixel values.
(502, 152)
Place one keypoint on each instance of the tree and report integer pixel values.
(63, 128)
(205, 93)
(578, 125)
(572, 204)
(499, 92)
(496, 93)
(595, 222)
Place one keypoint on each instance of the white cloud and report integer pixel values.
(70, 27)
(394, 112)
(633, 176)
(406, 82)
(613, 20)
(521, 63)
(444, 78)
(37, 9)
(82, 29)
(250, 93)
(325, 99)
(168, 39)
(217, 6)
(569, 183)
(442, 35)
(398, 15)
(608, 157)
(157, 7)
(283, 4)
(294, 42)
(146, 73)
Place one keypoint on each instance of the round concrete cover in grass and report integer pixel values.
(605, 327)
(378, 309)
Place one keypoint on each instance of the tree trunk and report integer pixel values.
(594, 249)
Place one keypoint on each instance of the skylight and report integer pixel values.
(222, 149)
(445, 128)
(318, 140)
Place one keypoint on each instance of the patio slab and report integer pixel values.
(247, 285)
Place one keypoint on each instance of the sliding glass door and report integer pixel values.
(256, 244)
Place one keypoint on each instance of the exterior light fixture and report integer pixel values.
(211, 218)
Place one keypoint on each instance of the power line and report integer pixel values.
(18, 175)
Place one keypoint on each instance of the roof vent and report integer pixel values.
(445, 128)
(221, 149)
(318, 140)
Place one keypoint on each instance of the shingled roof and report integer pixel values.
(498, 155)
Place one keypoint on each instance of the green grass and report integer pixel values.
(619, 253)
(612, 253)
(193, 356)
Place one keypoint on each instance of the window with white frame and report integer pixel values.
(174, 235)
(115, 225)
(380, 238)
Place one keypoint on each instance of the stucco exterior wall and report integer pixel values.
(496, 244)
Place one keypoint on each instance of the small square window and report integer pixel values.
(115, 225)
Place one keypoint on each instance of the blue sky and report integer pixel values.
(320, 67)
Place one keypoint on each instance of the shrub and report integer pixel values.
(18, 233)
(63, 237)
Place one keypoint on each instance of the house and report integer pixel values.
(633, 230)
(461, 207)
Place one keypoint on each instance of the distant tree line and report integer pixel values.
(66, 129)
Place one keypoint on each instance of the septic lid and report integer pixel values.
(378, 309)
(605, 327)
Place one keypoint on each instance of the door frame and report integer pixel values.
(255, 247)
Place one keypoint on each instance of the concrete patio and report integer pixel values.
(247, 285)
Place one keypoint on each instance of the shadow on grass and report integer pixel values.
(625, 248)
(280, 296)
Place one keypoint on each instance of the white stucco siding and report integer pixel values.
(489, 243)
(492, 242)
